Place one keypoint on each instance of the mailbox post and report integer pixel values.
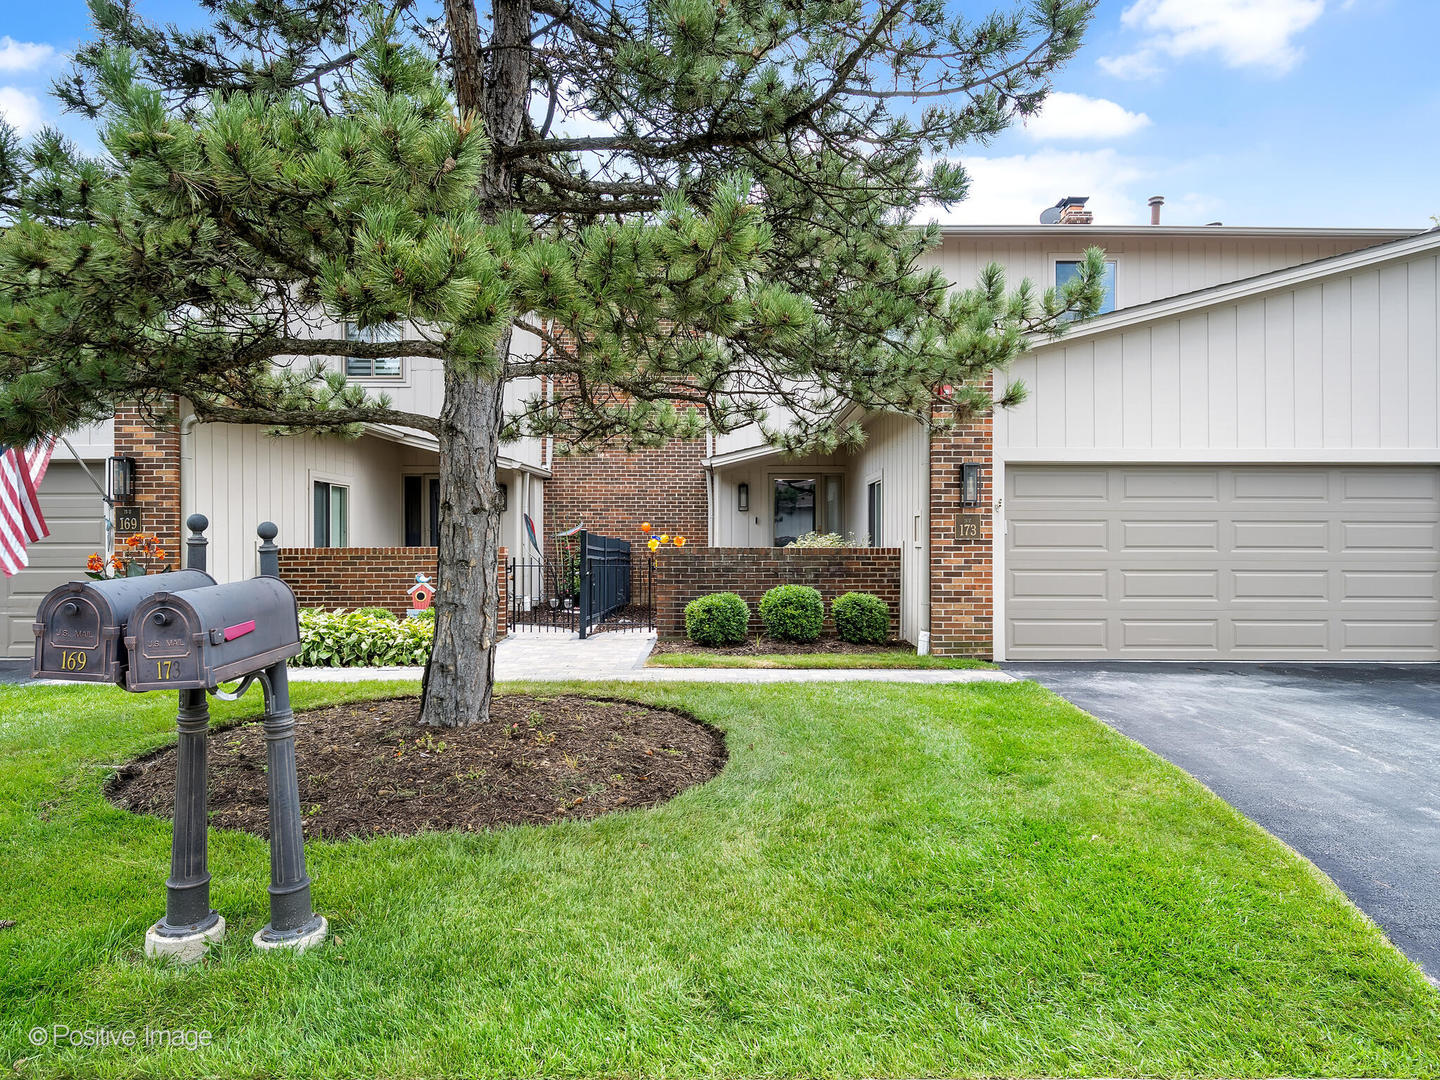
(190, 924)
(293, 922)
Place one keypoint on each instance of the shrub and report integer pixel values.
(721, 618)
(378, 613)
(357, 639)
(792, 613)
(828, 540)
(862, 618)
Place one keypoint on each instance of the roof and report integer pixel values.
(1175, 230)
(1271, 281)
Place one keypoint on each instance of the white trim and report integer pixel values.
(1057, 257)
(998, 629)
(1231, 291)
(1162, 231)
(319, 476)
(1068, 455)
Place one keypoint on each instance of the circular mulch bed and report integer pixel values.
(369, 768)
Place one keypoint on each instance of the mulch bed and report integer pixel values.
(762, 646)
(369, 768)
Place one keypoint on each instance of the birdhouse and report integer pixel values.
(421, 593)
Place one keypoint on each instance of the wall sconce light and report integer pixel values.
(970, 483)
(120, 474)
(504, 497)
(742, 497)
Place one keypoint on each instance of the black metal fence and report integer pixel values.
(591, 584)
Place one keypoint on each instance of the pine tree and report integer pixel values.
(736, 237)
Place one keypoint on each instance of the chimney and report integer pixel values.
(1073, 212)
(1156, 202)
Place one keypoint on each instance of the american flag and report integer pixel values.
(21, 522)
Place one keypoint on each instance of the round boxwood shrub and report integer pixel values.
(721, 618)
(792, 613)
(862, 618)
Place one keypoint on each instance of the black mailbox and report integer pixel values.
(80, 627)
(197, 639)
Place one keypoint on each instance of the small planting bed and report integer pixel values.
(827, 652)
(370, 768)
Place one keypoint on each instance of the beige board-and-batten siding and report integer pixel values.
(1284, 438)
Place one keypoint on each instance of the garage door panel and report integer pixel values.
(1140, 535)
(1066, 484)
(1315, 562)
(1282, 585)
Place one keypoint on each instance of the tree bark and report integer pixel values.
(461, 672)
(460, 675)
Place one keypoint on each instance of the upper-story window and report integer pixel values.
(1065, 269)
(364, 367)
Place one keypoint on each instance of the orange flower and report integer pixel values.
(664, 538)
(679, 541)
(644, 526)
(117, 562)
(95, 563)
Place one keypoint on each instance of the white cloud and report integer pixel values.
(1244, 33)
(23, 111)
(1075, 116)
(1012, 190)
(23, 55)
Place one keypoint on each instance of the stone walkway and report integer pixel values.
(546, 657)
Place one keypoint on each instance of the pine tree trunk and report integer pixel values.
(460, 675)
(459, 678)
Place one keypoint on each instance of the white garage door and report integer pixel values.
(74, 513)
(1205, 562)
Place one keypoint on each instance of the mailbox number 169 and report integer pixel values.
(73, 660)
(164, 669)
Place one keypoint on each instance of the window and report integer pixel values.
(422, 514)
(806, 504)
(365, 367)
(873, 512)
(332, 514)
(1065, 269)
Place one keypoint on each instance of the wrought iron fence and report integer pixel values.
(595, 586)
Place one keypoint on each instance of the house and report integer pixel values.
(1238, 459)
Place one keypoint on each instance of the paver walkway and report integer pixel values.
(545, 656)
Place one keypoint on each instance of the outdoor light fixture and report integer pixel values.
(742, 497)
(970, 483)
(121, 476)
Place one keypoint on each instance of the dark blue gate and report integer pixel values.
(604, 578)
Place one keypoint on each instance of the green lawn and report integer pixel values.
(886, 881)
(898, 656)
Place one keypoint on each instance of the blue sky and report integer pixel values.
(1250, 112)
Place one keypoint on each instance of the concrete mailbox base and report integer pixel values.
(268, 939)
(188, 948)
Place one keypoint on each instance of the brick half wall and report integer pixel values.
(350, 578)
(681, 576)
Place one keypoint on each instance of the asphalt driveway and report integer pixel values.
(1342, 762)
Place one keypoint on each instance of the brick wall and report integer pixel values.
(157, 476)
(961, 571)
(367, 577)
(613, 491)
(681, 576)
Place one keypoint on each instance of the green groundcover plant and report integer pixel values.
(362, 638)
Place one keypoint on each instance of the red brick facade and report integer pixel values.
(961, 569)
(681, 576)
(157, 476)
(333, 578)
(613, 491)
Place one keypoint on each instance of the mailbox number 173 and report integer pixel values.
(73, 659)
(164, 669)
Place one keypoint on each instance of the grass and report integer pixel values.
(886, 881)
(887, 656)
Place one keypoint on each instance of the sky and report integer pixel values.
(1250, 112)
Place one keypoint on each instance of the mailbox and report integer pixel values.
(196, 639)
(80, 627)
